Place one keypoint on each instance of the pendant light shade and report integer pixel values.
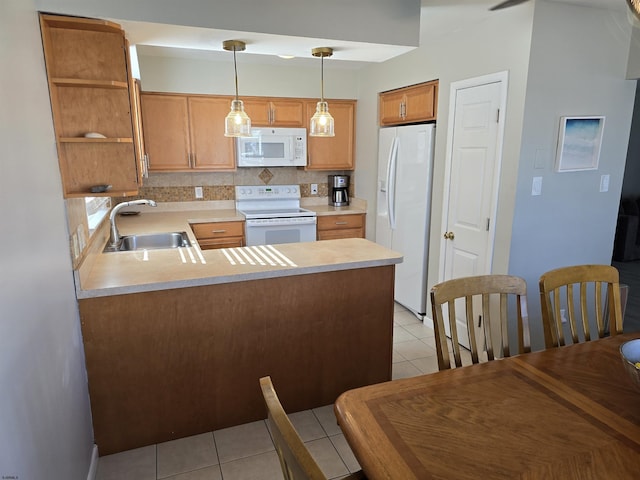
(322, 124)
(237, 123)
(634, 5)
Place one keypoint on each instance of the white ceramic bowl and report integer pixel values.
(94, 135)
(630, 352)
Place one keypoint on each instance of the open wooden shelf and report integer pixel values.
(95, 140)
(87, 71)
(82, 82)
(110, 193)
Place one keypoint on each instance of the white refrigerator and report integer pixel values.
(405, 164)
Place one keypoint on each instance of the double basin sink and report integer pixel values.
(152, 241)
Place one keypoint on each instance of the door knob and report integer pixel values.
(449, 235)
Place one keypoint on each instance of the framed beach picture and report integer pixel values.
(579, 143)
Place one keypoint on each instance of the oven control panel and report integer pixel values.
(265, 192)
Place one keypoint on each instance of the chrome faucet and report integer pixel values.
(114, 237)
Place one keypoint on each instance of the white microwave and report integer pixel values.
(272, 147)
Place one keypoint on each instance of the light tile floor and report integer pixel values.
(246, 452)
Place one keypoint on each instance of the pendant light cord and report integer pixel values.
(322, 78)
(235, 69)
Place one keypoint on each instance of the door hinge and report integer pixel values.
(488, 223)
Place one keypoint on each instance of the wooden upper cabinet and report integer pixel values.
(275, 112)
(89, 81)
(391, 107)
(165, 123)
(210, 149)
(333, 153)
(186, 133)
(417, 103)
(136, 122)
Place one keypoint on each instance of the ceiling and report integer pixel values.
(155, 39)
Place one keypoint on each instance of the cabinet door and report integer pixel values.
(210, 149)
(287, 113)
(341, 226)
(391, 107)
(138, 138)
(166, 131)
(417, 103)
(258, 110)
(219, 234)
(275, 112)
(333, 153)
(420, 103)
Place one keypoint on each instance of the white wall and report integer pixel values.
(45, 419)
(484, 43)
(392, 22)
(578, 67)
(181, 75)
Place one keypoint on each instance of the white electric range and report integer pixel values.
(273, 215)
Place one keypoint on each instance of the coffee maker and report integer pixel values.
(339, 190)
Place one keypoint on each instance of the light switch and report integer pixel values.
(604, 183)
(536, 186)
(541, 158)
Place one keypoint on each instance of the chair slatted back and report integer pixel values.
(578, 290)
(493, 292)
(295, 460)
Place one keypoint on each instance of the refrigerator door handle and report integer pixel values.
(391, 183)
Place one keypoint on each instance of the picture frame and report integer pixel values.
(579, 143)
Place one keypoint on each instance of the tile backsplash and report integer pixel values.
(180, 187)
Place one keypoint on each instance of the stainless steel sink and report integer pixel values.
(152, 241)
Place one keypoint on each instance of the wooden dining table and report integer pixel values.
(563, 413)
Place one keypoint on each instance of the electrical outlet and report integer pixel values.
(198, 192)
(314, 189)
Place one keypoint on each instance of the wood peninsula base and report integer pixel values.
(173, 363)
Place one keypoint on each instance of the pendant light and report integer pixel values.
(237, 123)
(634, 5)
(322, 121)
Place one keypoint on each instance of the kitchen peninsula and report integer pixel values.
(176, 339)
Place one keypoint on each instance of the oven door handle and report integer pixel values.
(280, 222)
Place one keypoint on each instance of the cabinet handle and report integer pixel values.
(342, 223)
(218, 231)
(146, 165)
(400, 110)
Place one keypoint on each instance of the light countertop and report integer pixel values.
(117, 273)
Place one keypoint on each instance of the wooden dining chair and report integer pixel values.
(295, 460)
(575, 296)
(486, 305)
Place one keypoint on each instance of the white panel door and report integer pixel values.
(472, 189)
